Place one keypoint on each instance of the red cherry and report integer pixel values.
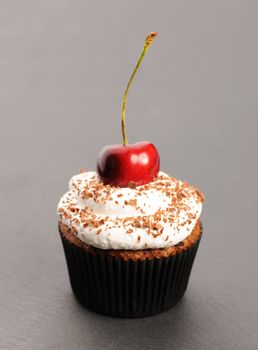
(137, 163)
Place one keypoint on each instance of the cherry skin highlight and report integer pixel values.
(120, 165)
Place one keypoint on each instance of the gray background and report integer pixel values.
(63, 69)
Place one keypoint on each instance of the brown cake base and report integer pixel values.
(70, 236)
(129, 283)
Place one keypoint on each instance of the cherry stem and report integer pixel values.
(147, 44)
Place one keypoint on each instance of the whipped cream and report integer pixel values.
(159, 214)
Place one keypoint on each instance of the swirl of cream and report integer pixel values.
(156, 215)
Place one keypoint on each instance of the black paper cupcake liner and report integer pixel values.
(128, 288)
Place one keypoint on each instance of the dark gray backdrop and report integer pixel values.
(63, 69)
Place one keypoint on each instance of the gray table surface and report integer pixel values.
(63, 68)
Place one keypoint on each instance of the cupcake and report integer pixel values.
(130, 232)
